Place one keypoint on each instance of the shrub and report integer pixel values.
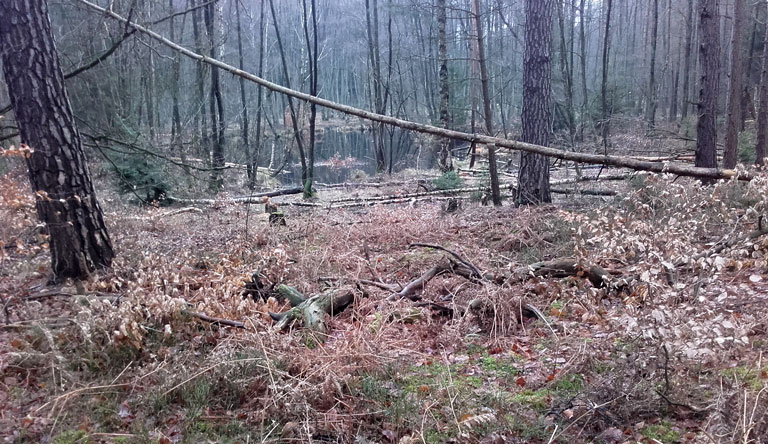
(448, 181)
(136, 174)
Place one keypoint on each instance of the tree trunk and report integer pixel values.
(567, 72)
(312, 63)
(584, 86)
(254, 161)
(244, 122)
(650, 115)
(533, 186)
(444, 147)
(709, 53)
(66, 201)
(218, 125)
(762, 115)
(492, 168)
(294, 114)
(605, 124)
(733, 122)
(687, 62)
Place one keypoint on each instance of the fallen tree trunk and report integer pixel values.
(312, 311)
(255, 198)
(618, 161)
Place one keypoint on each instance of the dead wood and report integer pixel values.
(256, 198)
(215, 321)
(452, 253)
(312, 311)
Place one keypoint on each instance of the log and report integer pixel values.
(291, 294)
(256, 198)
(312, 311)
(599, 159)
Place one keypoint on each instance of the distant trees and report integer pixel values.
(533, 180)
(58, 170)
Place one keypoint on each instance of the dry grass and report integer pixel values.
(650, 361)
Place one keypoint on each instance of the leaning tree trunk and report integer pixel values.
(59, 174)
(533, 186)
(706, 140)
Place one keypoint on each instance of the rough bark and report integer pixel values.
(218, 124)
(66, 201)
(709, 54)
(533, 185)
(733, 122)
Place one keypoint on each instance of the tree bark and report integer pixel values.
(444, 157)
(709, 54)
(733, 122)
(244, 121)
(218, 124)
(533, 187)
(687, 62)
(492, 168)
(605, 124)
(66, 201)
(650, 115)
(762, 115)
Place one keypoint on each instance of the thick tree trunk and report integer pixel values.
(533, 187)
(58, 171)
(733, 122)
(709, 56)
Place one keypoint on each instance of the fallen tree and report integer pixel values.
(618, 161)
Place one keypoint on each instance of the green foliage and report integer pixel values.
(137, 174)
(450, 180)
(71, 437)
(747, 146)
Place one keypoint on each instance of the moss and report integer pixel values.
(751, 377)
(71, 437)
(661, 432)
(537, 400)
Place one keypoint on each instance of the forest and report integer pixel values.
(383, 221)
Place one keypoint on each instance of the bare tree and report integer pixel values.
(650, 115)
(605, 124)
(58, 171)
(444, 148)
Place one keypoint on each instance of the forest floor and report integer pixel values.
(670, 349)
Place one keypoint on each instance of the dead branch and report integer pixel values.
(215, 321)
(452, 253)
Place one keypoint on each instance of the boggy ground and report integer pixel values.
(669, 351)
